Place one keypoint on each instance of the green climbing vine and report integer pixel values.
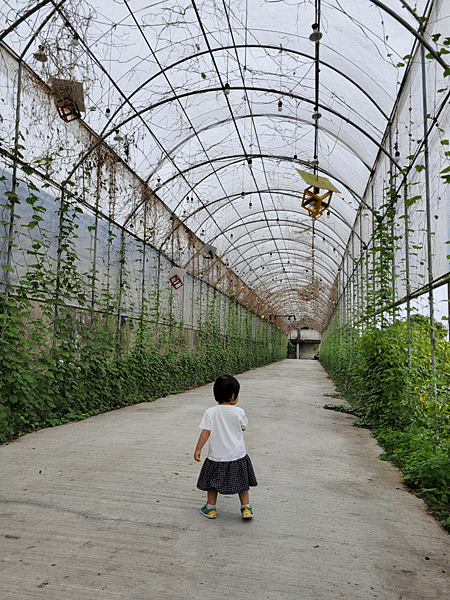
(386, 377)
(394, 370)
(78, 340)
(390, 362)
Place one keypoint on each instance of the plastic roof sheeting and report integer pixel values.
(225, 164)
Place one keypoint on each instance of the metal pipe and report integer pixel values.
(407, 275)
(414, 32)
(61, 212)
(119, 298)
(373, 253)
(95, 231)
(393, 201)
(7, 273)
(428, 216)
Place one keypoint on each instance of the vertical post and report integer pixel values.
(391, 201)
(158, 284)
(9, 251)
(407, 274)
(373, 257)
(448, 309)
(144, 260)
(355, 280)
(361, 267)
(6, 272)
(341, 302)
(119, 299)
(94, 257)
(182, 334)
(428, 215)
(58, 265)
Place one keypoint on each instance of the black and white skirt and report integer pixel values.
(227, 477)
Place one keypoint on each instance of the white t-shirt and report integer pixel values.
(225, 422)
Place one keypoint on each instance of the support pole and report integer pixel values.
(428, 215)
(94, 253)
(158, 296)
(373, 256)
(407, 275)
(392, 232)
(361, 268)
(119, 299)
(10, 238)
(58, 266)
(448, 309)
(143, 309)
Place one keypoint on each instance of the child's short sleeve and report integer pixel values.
(244, 421)
(205, 423)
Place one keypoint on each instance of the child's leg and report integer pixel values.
(211, 497)
(244, 498)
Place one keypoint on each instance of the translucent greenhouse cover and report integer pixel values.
(219, 102)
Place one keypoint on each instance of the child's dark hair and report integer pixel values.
(225, 387)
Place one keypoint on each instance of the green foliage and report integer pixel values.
(43, 385)
(67, 350)
(386, 375)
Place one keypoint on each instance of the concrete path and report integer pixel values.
(107, 508)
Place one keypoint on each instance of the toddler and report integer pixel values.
(227, 469)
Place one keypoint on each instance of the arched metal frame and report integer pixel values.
(237, 159)
(138, 114)
(211, 90)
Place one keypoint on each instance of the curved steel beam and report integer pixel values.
(419, 37)
(25, 16)
(245, 46)
(256, 212)
(178, 97)
(289, 253)
(293, 240)
(321, 265)
(283, 294)
(239, 158)
(206, 207)
(286, 292)
(172, 152)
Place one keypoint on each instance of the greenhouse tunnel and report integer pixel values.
(195, 188)
(206, 182)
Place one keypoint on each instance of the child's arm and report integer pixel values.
(201, 442)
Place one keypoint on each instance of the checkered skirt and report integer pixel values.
(227, 477)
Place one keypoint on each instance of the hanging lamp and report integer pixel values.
(40, 55)
(315, 204)
(316, 34)
(209, 251)
(175, 277)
